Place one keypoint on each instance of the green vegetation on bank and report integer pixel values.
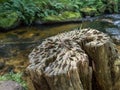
(14, 77)
(2, 1)
(8, 19)
(67, 15)
(29, 11)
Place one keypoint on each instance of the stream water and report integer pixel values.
(15, 45)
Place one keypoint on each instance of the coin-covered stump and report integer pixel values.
(84, 59)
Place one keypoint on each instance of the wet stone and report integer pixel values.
(115, 34)
(10, 85)
(114, 16)
(117, 22)
(113, 31)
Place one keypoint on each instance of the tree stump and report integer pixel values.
(77, 60)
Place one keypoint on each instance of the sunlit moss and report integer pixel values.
(52, 18)
(88, 11)
(67, 15)
(70, 15)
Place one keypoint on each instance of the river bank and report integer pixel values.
(27, 12)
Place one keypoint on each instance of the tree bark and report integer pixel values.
(75, 60)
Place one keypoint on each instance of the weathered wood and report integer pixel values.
(70, 61)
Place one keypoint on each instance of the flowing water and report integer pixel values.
(16, 45)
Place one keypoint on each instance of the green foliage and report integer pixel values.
(8, 19)
(26, 9)
(15, 77)
(29, 10)
(49, 7)
(101, 7)
(110, 6)
(2, 1)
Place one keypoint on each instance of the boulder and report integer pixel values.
(84, 59)
(10, 85)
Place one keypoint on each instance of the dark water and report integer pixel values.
(15, 45)
(26, 38)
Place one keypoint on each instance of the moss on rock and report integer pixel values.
(52, 18)
(70, 15)
(67, 15)
(89, 11)
(8, 20)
